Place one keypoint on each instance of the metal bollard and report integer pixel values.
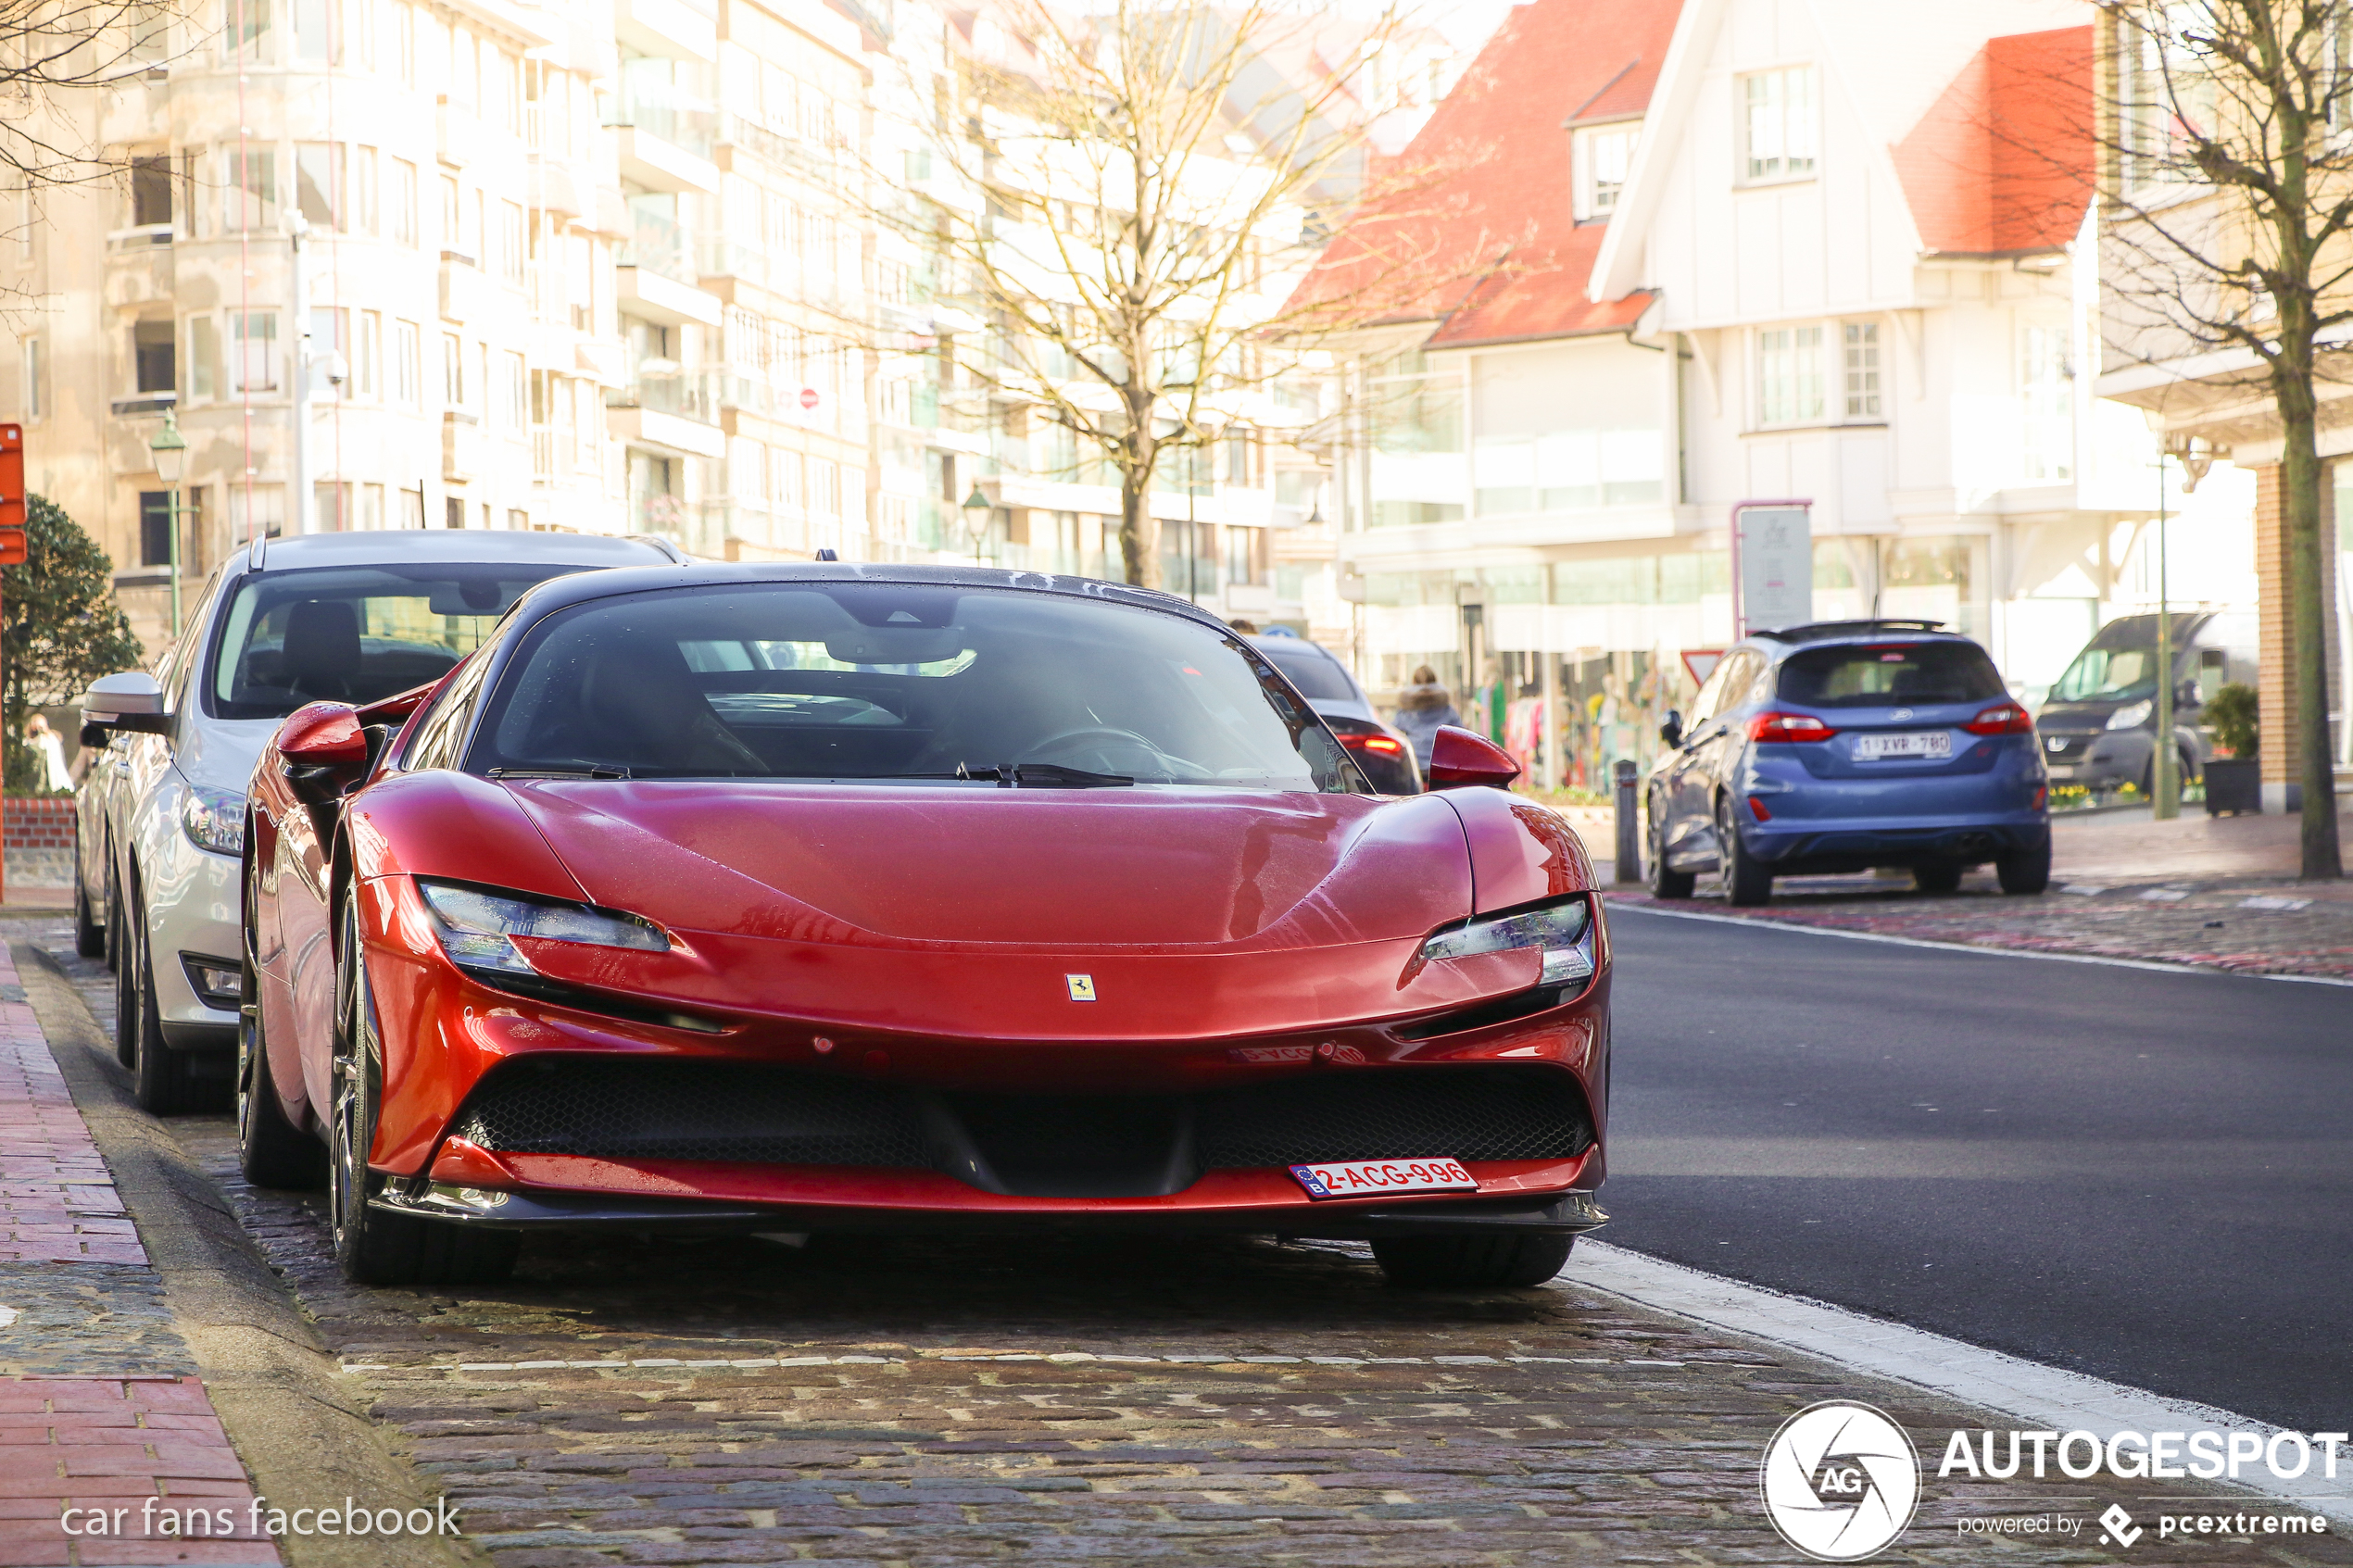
(1630, 833)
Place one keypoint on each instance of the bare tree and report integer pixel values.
(51, 52)
(1125, 199)
(2226, 135)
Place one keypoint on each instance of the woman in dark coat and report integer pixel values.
(1421, 708)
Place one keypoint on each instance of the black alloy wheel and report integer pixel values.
(1472, 1262)
(2027, 871)
(1746, 881)
(89, 934)
(373, 1246)
(1665, 884)
(272, 1151)
(1938, 876)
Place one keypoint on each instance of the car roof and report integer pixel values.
(1277, 646)
(466, 546)
(579, 588)
(1819, 634)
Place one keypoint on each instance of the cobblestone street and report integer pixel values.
(629, 1401)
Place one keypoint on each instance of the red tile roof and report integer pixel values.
(1485, 238)
(2003, 162)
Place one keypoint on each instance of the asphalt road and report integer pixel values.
(2146, 1176)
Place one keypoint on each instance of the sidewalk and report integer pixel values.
(99, 1409)
(2211, 892)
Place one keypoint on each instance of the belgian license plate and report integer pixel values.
(1931, 745)
(1384, 1179)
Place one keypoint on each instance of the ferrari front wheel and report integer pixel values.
(1472, 1262)
(373, 1246)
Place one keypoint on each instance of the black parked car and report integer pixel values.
(2099, 723)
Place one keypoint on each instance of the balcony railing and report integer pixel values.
(693, 394)
(679, 119)
(658, 244)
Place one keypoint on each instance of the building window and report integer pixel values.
(150, 192)
(1862, 370)
(2168, 94)
(249, 200)
(154, 356)
(412, 509)
(31, 346)
(1602, 155)
(404, 202)
(1789, 376)
(247, 33)
(252, 337)
(2047, 403)
(319, 182)
(367, 350)
(453, 513)
(510, 242)
(450, 209)
(453, 371)
(363, 190)
(317, 41)
(405, 375)
(1778, 125)
(204, 359)
(371, 515)
(512, 394)
(155, 528)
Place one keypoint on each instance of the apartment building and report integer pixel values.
(1751, 250)
(579, 266)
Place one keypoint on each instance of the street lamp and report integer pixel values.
(170, 450)
(977, 509)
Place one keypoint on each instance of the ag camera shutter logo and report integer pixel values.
(1840, 1481)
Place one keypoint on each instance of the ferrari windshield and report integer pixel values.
(882, 680)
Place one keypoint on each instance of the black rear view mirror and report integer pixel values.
(1670, 730)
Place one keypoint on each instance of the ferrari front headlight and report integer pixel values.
(475, 924)
(1562, 930)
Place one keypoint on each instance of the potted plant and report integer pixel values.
(2233, 781)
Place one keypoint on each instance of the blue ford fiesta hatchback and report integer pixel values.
(1845, 745)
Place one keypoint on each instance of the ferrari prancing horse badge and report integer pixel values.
(1082, 987)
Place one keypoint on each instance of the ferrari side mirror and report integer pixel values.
(1459, 759)
(322, 749)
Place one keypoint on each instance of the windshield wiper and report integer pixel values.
(585, 771)
(1054, 775)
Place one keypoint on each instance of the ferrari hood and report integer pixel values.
(1167, 868)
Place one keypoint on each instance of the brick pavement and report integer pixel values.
(650, 1401)
(125, 1429)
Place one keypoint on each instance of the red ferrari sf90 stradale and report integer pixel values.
(836, 898)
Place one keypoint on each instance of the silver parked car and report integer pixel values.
(160, 819)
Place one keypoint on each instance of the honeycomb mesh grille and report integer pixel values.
(622, 1109)
(1468, 1112)
(672, 1110)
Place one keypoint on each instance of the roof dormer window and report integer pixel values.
(1780, 133)
(1600, 158)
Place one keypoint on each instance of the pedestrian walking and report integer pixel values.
(1421, 709)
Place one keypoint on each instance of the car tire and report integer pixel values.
(88, 936)
(1746, 881)
(372, 1245)
(163, 1082)
(122, 957)
(1941, 876)
(2028, 872)
(1665, 884)
(272, 1151)
(1472, 1262)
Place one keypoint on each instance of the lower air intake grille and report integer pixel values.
(1032, 1145)
(638, 1110)
(1468, 1112)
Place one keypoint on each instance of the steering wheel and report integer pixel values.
(1038, 753)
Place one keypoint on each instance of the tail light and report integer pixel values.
(2002, 719)
(1788, 727)
(1759, 807)
(1372, 743)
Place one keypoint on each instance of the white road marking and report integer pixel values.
(2043, 1397)
(7, 1316)
(1979, 949)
